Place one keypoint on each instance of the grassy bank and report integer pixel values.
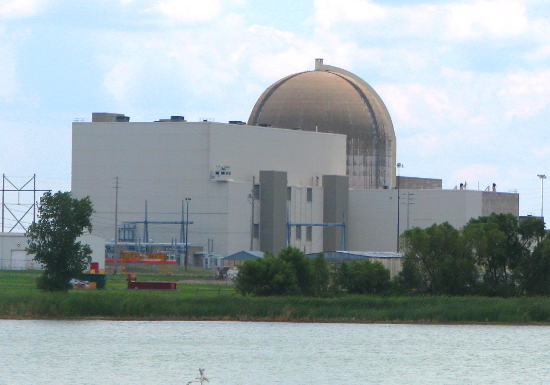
(197, 302)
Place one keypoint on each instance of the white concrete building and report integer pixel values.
(14, 257)
(373, 213)
(215, 165)
(257, 187)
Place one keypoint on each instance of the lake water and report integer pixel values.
(113, 352)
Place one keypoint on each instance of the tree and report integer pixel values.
(52, 239)
(321, 275)
(267, 276)
(291, 272)
(302, 267)
(363, 277)
(499, 249)
(438, 260)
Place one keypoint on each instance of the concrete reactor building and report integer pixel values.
(315, 168)
(331, 99)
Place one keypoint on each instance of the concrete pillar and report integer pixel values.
(273, 215)
(335, 209)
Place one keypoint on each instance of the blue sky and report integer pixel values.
(467, 83)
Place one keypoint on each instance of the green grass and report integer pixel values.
(19, 299)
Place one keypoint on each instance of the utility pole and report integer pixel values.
(187, 232)
(252, 214)
(3, 196)
(146, 227)
(542, 177)
(116, 218)
(182, 228)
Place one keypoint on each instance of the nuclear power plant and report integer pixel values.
(314, 168)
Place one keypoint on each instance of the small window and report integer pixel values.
(256, 191)
(288, 193)
(298, 232)
(309, 231)
(309, 192)
(256, 230)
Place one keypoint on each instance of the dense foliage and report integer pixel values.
(438, 261)
(363, 277)
(496, 255)
(493, 255)
(291, 272)
(52, 239)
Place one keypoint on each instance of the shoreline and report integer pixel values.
(273, 320)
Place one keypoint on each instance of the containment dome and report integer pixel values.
(334, 100)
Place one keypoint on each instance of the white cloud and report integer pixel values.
(494, 18)
(188, 11)
(526, 94)
(10, 9)
(438, 21)
(331, 12)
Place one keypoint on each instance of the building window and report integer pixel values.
(309, 231)
(298, 233)
(256, 191)
(288, 193)
(256, 230)
(309, 192)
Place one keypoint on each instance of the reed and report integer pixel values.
(20, 299)
(119, 304)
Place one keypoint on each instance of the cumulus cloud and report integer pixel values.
(11, 9)
(526, 94)
(8, 73)
(188, 10)
(444, 20)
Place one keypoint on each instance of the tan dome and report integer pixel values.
(331, 99)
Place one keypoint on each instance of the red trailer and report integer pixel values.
(151, 285)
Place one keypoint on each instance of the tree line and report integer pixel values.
(495, 255)
(291, 272)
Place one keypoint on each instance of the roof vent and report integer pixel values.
(109, 117)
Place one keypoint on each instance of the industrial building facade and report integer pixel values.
(243, 181)
(251, 188)
(315, 168)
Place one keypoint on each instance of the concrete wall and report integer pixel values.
(14, 257)
(12, 252)
(497, 202)
(335, 209)
(304, 155)
(165, 162)
(409, 182)
(97, 244)
(373, 213)
(273, 211)
(303, 211)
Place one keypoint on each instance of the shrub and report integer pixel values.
(364, 277)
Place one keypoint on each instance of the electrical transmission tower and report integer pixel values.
(9, 188)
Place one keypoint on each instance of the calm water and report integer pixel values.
(105, 352)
